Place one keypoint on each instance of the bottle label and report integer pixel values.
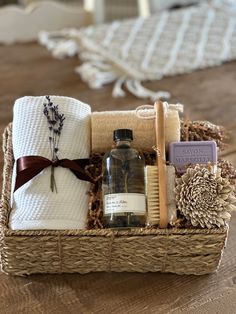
(125, 202)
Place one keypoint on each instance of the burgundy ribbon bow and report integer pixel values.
(29, 166)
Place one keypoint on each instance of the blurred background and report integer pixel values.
(205, 93)
(108, 10)
(208, 93)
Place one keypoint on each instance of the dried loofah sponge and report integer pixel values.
(204, 131)
(104, 123)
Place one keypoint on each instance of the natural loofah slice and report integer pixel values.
(204, 131)
(204, 198)
(227, 171)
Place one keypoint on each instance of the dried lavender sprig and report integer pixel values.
(61, 118)
(55, 125)
(49, 119)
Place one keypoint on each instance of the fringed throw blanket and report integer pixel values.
(132, 51)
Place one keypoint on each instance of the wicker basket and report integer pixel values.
(181, 251)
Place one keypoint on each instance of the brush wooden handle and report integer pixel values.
(161, 161)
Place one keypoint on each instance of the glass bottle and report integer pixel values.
(124, 202)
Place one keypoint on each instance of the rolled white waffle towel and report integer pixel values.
(34, 205)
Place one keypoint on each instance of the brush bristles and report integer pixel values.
(152, 192)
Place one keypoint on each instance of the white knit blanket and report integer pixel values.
(169, 43)
(35, 206)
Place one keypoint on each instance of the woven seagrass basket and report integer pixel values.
(181, 251)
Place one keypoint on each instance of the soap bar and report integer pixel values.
(182, 154)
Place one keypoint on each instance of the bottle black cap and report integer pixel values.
(123, 135)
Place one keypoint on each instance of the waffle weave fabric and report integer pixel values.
(34, 205)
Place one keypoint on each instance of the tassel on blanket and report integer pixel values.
(94, 74)
(137, 89)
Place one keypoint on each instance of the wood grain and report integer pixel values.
(161, 162)
(207, 94)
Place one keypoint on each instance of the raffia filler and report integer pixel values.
(204, 198)
(204, 131)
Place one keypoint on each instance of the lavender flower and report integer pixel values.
(55, 125)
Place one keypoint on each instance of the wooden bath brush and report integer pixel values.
(156, 176)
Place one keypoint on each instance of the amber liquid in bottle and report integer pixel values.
(124, 202)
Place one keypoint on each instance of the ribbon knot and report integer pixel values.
(55, 163)
(28, 167)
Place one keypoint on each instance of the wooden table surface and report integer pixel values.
(28, 69)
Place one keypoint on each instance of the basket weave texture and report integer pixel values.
(181, 251)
